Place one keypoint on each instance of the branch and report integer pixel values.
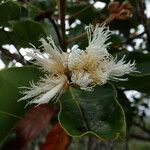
(141, 127)
(79, 12)
(130, 39)
(116, 11)
(143, 18)
(83, 34)
(19, 57)
(16, 57)
(62, 14)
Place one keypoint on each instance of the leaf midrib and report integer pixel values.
(80, 110)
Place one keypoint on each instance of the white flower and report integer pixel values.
(85, 68)
(54, 63)
(95, 65)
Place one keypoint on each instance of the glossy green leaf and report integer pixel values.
(137, 81)
(96, 112)
(11, 110)
(25, 32)
(50, 31)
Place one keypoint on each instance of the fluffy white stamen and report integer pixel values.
(95, 65)
(82, 79)
(49, 95)
(85, 68)
(119, 68)
(54, 63)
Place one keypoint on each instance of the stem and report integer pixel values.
(13, 56)
(143, 19)
(130, 39)
(142, 127)
(79, 12)
(62, 14)
(78, 37)
(18, 57)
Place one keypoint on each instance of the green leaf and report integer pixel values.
(136, 81)
(49, 30)
(44, 4)
(33, 10)
(25, 32)
(83, 11)
(96, 112)
(4, 38)
(11, 110)
(115, 40)
(11, 11)
(129, 110)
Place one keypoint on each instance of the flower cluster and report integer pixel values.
(84, 68)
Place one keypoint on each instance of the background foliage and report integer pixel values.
(106, 112)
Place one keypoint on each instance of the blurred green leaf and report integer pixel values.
(129, 110)
(49, 30)
(115, 39)
(11, 110)
(43, 4)
(4, 38)
(33, 10)
(142, 61)
(124, 26)
(83, 11)
(96, 112)
(75, 32)
(137, 81)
